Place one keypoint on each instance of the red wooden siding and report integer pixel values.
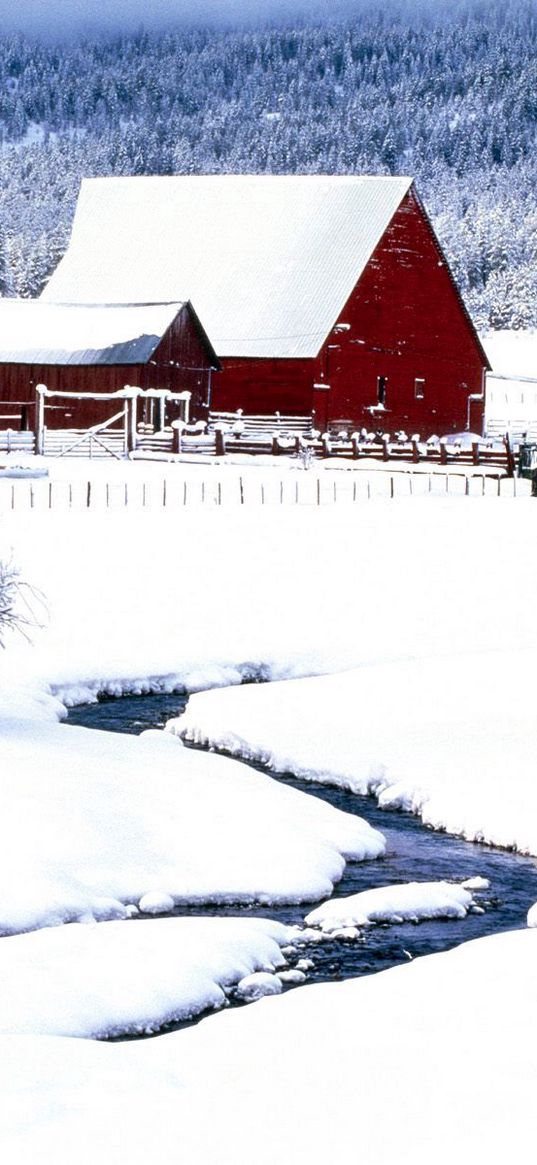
(407, 323)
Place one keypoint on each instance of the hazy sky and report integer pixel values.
(57, 18)
(70, 15)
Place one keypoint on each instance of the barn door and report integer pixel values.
(321, 406)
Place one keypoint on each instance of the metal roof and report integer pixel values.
(268, 260)
(35, 332)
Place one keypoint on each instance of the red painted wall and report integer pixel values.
(406, 322)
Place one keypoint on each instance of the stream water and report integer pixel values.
(414, 853)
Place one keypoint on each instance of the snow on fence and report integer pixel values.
(248, 489)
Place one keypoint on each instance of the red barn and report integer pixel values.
(98, 349)
(324, 294)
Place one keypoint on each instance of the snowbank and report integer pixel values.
(434, 1060)
(154, 601)
(118, 978)
(410, 902)
(93, 821)
(449, 738)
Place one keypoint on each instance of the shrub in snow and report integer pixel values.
(18, 601)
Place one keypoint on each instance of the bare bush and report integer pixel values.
(21, 605)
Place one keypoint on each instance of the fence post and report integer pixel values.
(219, 443)
(475, 452)
(510, 455)
(40, 420)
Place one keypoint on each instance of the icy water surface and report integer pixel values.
(414, 853)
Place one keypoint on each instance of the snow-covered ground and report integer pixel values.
(433, 1060)
(450, 737)
(138, 600)
(94, 821)
(422, 614)
(117, 978)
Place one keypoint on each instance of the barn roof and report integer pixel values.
(269, 261)
(35, 332)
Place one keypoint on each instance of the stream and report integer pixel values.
(414, 853)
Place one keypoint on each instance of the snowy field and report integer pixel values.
(434, 1060)
(399, 637)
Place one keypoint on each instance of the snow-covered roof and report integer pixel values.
(512, 354)
(268, 260)
(35, 332)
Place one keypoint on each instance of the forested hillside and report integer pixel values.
(450, 99)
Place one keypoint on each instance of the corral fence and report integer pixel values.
(250, 489)
(124, 434)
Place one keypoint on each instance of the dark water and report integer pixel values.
(414, 853)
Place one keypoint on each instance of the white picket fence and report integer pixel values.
(306, 489)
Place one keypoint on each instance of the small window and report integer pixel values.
(419, 388)
(382, 382)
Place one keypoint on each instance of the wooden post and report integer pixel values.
(275, 445)
(355, 448)
(443, 453)
(220, 443)
(510, 455)
(177, 439)
(475, 452)
(385, 449)
(325, 445)
(40, 420)
(132, 411)
(415, 451)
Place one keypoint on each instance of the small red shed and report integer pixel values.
(98, 349)
(319, 293)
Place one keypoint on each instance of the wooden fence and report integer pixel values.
(250, 489)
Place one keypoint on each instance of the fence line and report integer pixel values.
(245, 490)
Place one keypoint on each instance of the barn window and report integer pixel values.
(382, 382)
(419, 388)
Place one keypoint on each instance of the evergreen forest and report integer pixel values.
(447, 95)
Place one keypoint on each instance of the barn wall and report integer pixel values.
(264, 386)
(406, 322)
(179, 362)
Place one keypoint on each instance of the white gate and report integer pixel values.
(117, 436)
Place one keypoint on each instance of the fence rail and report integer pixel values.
(306, 489)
